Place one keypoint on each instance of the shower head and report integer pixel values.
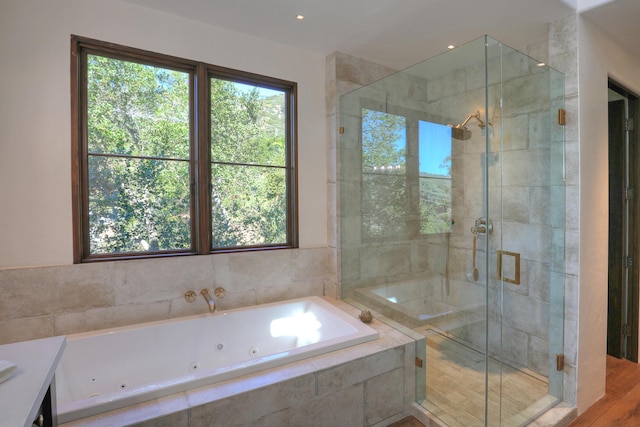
(460, 132)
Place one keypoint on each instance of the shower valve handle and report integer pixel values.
(483, 226)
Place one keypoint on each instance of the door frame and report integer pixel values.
(624, 238)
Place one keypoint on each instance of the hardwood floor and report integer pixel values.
(620, 406)
(407, 422)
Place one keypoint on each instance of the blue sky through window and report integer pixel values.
(434, 146)
(263, 91)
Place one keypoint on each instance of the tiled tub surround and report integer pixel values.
(114, 368)
(369, 384)
(41, 302)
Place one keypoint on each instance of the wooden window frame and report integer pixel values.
(200, 172)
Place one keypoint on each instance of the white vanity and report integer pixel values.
(27, 398)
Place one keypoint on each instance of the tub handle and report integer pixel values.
(190, 297)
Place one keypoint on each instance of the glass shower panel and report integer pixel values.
(526, 198)
(384, 142)
(451, 204)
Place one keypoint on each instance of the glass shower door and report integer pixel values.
(456, 367)
(526, 271)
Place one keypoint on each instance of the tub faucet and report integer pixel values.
(209, 299)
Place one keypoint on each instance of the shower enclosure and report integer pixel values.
(451, 213)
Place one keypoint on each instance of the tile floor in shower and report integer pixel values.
(456, 386)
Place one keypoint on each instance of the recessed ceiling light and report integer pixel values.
(450, 46)
(300, 17)
(541, 64)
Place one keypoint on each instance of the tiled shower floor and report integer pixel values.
(456, 386)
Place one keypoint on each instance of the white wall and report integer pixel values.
(35, 154)
(599, 59)
(584, 5)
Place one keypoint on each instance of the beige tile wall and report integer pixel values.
(47, 301)
(563, 55)
(344, 73)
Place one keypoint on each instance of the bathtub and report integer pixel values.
(411, 303)
(113, 368)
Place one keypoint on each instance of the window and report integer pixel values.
(434, 175)
(406, 173)
(173, 156)
(384, 146)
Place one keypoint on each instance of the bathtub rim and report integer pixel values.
(104, 331)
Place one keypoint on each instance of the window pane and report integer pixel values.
(384, 142)
(383, 205)
(138, 205)
(434, 152)
(136, 109)
(249, 206)
(248, 124)
(384, 147)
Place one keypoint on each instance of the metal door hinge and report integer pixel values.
(628, 125)
(628, 262)
(628, 193)
(626, 330)
(418, 362)
(562, 116)
(559, 362)
(341, 130)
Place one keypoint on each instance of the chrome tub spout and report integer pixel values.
(207, 296)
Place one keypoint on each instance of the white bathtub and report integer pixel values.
(113, 368)
(413, 304)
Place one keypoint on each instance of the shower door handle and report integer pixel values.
(515, 270)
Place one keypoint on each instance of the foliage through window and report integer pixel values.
(176, 156)
(248, 163)
(384, 142)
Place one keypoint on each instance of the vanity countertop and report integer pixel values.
(22, 393)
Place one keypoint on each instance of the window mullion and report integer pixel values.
(202, 160)
(292, 181)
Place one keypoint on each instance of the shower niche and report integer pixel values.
(451, 224)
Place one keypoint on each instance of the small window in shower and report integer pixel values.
(384, 147)
(434, 174)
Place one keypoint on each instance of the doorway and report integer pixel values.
(622, 315)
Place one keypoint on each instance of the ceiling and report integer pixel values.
(399, 33)
(620, 21)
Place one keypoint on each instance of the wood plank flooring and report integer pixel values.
(407, 422)
(620, 406)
